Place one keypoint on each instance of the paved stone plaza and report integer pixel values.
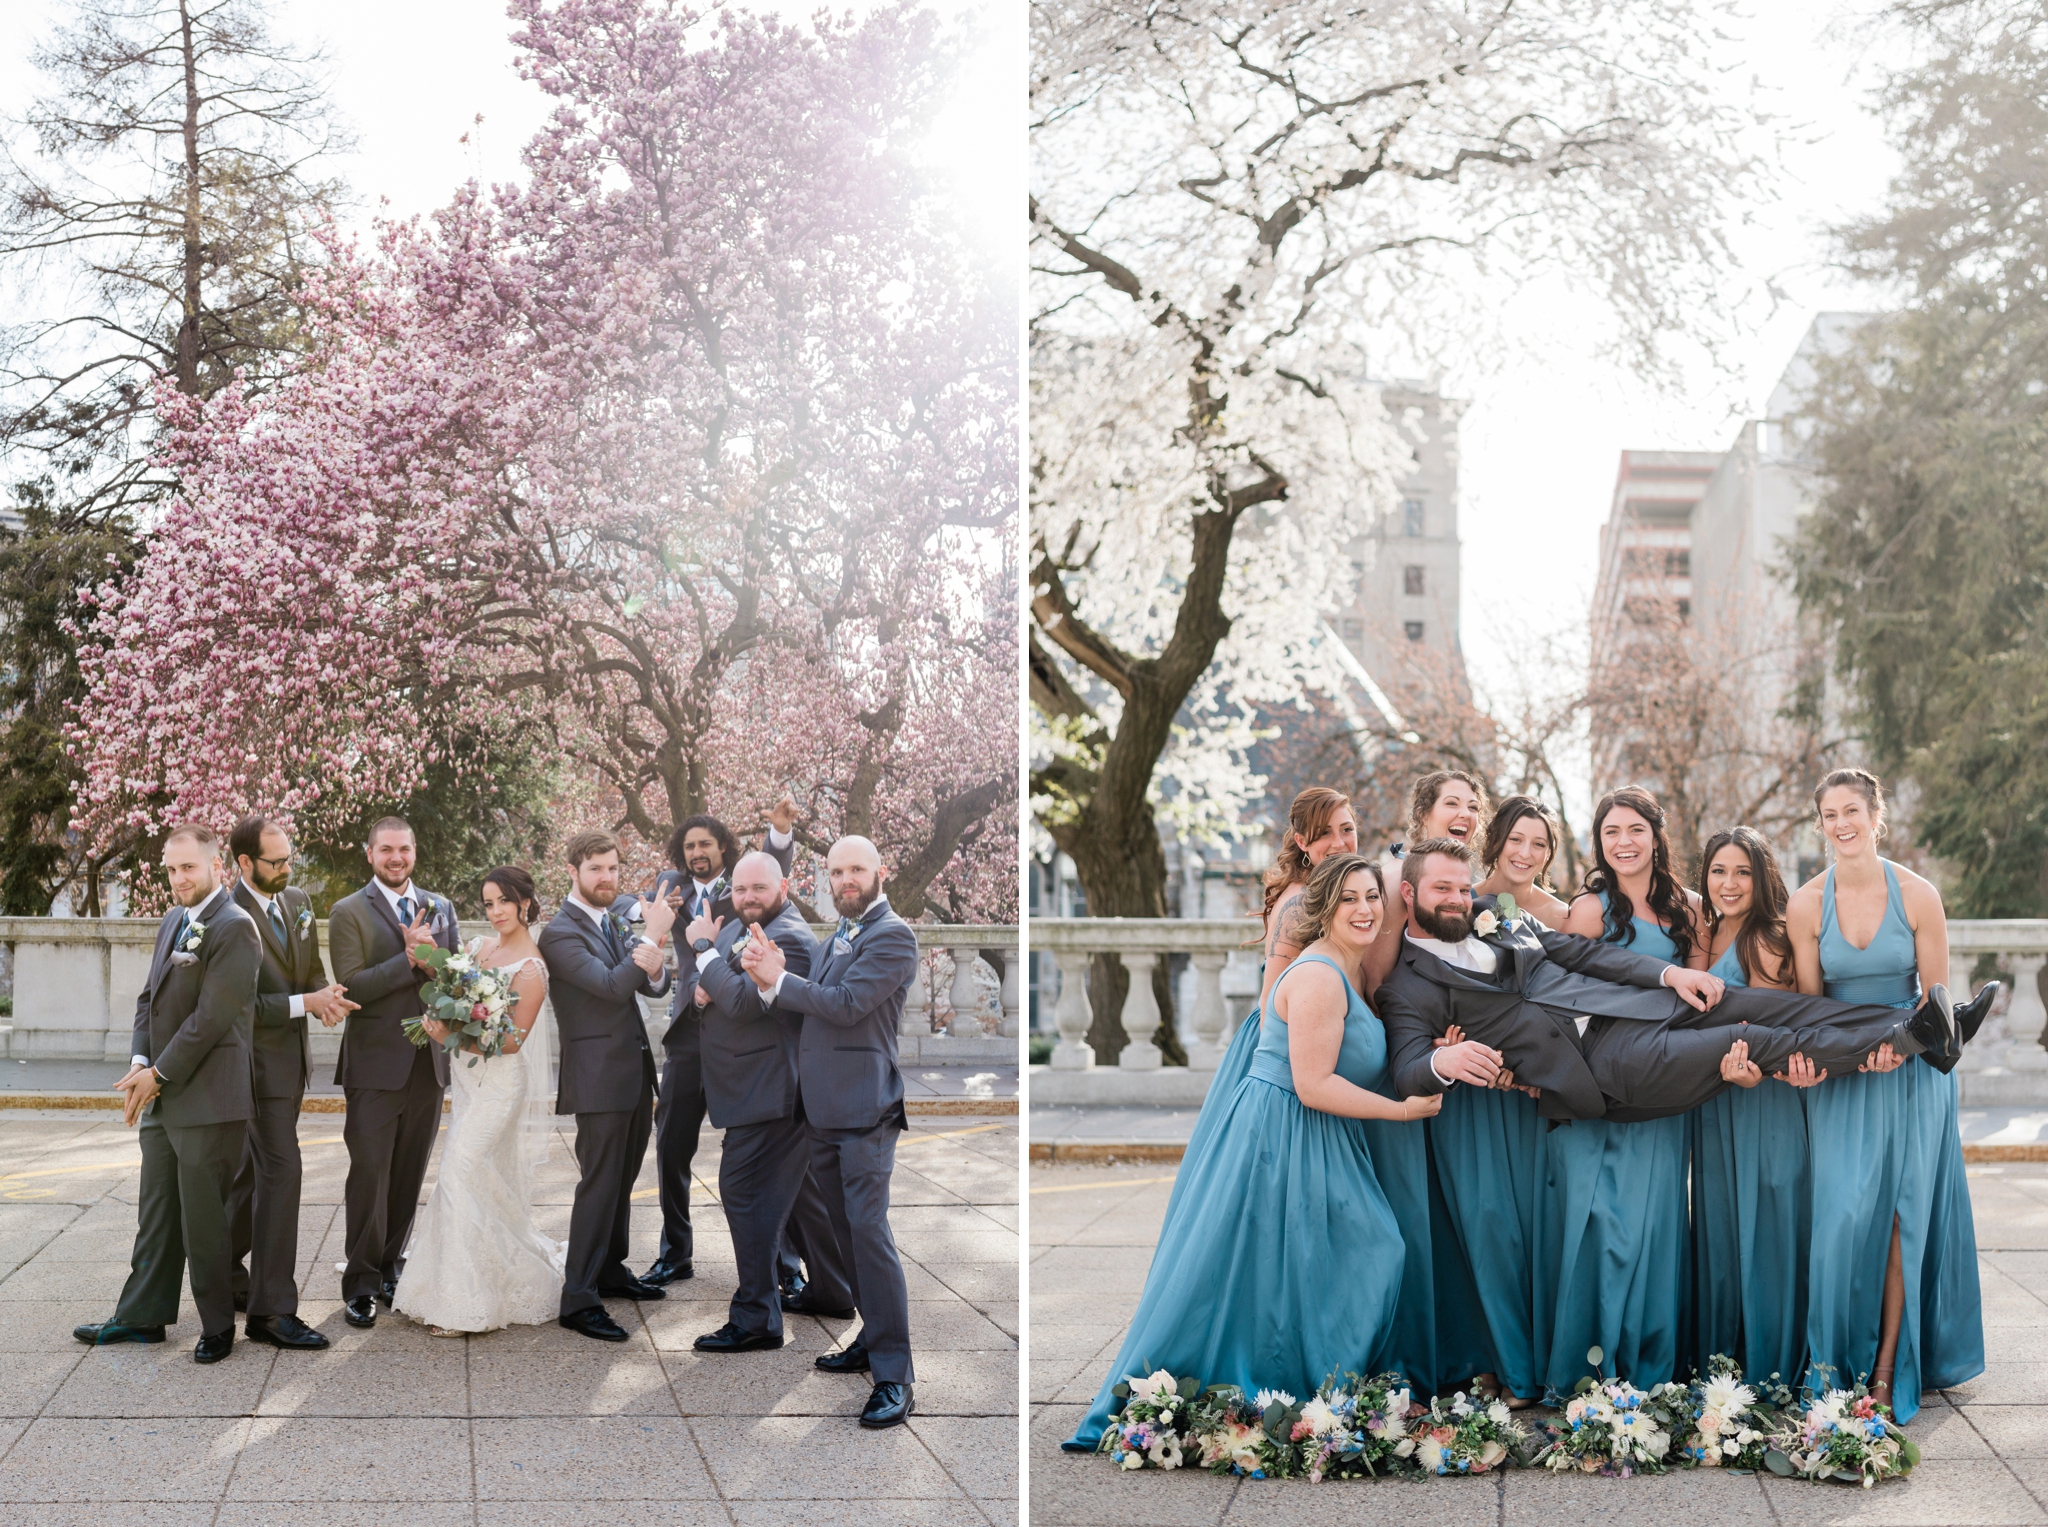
(1985, 1445)
(533, 1425)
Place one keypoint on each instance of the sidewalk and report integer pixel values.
(534, 1425)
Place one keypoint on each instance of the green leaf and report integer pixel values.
(1595, 1356)
(1909, 1450)
(1778, 1464)
(1122, 1390)
(1189, 1388)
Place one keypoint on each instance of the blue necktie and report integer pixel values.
(184, 927)
(848, 928)
(405, 911)
(277, 922)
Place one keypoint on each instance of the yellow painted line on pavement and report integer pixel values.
(952, 1134)
(119, 1166)
(1121, 1182)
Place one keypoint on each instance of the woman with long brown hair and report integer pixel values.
(1610, 1271)
(1517, 851)
(1892, 1268)
(1444, 803)
(1751, 1193)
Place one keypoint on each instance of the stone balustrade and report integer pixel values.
(2006, 1064)
(75, 981)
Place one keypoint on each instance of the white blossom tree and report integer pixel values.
(1232, 200)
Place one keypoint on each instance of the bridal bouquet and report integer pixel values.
(1151, 1427)
(475, 1002)
(1611, 1427)
(1355, 1429)
(1726, 1423)
(1846, 1435)
(1466, 1436)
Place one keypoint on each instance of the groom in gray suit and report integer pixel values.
(189, 1087)
(748, 1049)
(393, 1087)
(598, 968)
(852, 1098)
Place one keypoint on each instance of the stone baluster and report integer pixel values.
(1071, 1015)
(1984, 1052)
(1011, 981)
(2026, 1018)
(916, 1021)
(1141, 1016)
(1210, 1018)
(966, 994)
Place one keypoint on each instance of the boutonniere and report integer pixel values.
(304, 923)
(1503, 917)
(187, 950)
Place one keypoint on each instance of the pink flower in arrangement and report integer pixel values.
(479, 1014)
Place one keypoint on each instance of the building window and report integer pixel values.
(1685, 609)
(1411, 516)
(1411, 579)
(1414, 630)
(1678, 564)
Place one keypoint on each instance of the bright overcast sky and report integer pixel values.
(410, 77)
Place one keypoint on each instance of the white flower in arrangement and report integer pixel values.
(1486, 924)
(461, 961)
(1723, 1396)
(1404, 1448)
(1132, 1460)
(1430, 1453)
(1164, 1451)
(1460, 1406)
(1267, 1397)
(1320, 1419)
(1497, 1413)
(1731, 1447)
(1494, 1451)
(1746, 1436)
(1149, 1390)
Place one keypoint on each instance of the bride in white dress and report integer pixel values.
(475, 1262)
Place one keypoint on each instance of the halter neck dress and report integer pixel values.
(1886, 1145)
(1611, 1262)
(1752, 1206)
(1280, 1263)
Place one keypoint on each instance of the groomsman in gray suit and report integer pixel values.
(263, 1209)
(598, 967)
(749, 1048)
(851, 1094)
(189, 1087)
(393, 1087)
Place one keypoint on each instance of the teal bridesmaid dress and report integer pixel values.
(1280, 1263)
(1883, 1146)
(1611, 1262)
(1752, 1207)
(1487, 1148)
(1216, 1102)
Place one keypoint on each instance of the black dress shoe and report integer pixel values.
(888, 1405)
(633, 1288)
(661, 1274)
(595, 1322)
(212, 1349)
(360, 1311)
(851, 1358)
(284, 1331)
(730, 1338)
(108, 1332)
(804, 1305)
(387, 1291)
(793, 1288)
(1934, 1025)
(1970, 1015)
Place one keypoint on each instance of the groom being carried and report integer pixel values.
(598, 967)
(1598, 1031)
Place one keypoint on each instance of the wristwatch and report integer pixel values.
(700, 945)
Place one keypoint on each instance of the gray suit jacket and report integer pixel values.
(748, 1050)
(284, 1058)
(195, 1021)
(846, 1057)
(1526, 1010)
(607, 1066)
(685, 995)
(368, 945)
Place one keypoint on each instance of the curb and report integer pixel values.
(1108, 1152)
(320, 1103)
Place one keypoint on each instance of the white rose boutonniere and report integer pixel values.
(187, 952)
(1486, 924)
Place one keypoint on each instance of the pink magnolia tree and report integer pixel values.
(699, 448)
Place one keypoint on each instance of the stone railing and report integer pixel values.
(2008, 1056)
(75, 982)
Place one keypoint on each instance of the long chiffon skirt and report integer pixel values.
(1752, 1209)
(1488, 1151)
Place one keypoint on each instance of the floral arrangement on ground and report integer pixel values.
(1358, 1428)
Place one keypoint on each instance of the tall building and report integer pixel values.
(1406, 570)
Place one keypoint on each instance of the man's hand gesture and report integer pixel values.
(706, 926)
(657, 916)
(330, 1004)
(1699, 989)
(783, 817)
(137, 1088)
(421, 931)
(762, 958)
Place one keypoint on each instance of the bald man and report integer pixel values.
(747, 1054)
(851, 1094)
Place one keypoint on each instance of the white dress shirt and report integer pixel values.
(266, 902)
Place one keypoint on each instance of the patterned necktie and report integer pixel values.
(848, 927)
(277, 922)
(184, 927)
(405, 911)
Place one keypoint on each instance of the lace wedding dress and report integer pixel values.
(475, 1262)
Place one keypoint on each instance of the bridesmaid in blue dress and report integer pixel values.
(1892, 1271)
(1752, 1197)
(1487, 1142)
(1281, 1263)
(1319, 823)
(1611, 1266)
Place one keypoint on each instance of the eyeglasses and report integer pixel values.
(285, 859)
